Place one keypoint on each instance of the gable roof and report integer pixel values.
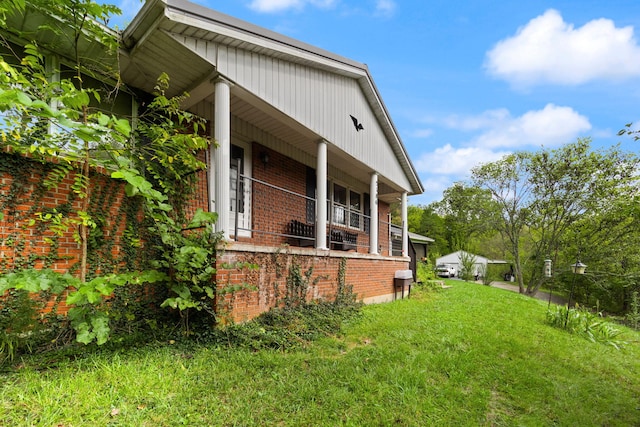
(194, 44)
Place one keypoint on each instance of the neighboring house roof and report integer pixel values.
(414, 237)
(417, 238)
(297, 92)
(455, 257)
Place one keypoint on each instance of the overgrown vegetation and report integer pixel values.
(586, 324)
(425, 271)
(62, 124)
(468, 271)
(297, 321)
(633, 316)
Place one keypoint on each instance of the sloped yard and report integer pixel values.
(467, 355)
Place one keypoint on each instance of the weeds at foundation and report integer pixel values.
(297, 322)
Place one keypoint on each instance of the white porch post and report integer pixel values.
(221, 156)
(405, 226)
(373, 222)
(52, 67)
(321, 196)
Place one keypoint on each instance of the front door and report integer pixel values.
(240, 191)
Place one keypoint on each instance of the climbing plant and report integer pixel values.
(54, 121)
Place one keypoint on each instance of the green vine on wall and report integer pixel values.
(30, 181)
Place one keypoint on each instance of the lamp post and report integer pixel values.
(577, 268)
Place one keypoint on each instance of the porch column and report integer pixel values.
(221, 156)
(52, 67)
(321, 196)
(405, 226)
(373, 221)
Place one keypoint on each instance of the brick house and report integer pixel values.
(294, 125)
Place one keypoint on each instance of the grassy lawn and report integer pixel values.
(468, 355)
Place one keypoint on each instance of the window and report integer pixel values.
(347, 206)
(339, 204)
(355, 205)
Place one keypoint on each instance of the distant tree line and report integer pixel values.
(566, 204)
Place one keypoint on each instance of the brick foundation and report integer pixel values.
(372, 276)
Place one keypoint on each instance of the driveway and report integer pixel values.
(556, 299)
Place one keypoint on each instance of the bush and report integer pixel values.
(285, 328)
(425, 272)
(632, 318)
(582, 322)
(490, 273)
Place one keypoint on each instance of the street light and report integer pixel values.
(577, 268)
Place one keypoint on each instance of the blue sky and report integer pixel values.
(467, 82)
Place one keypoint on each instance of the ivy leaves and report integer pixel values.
(37, 281)
(92, 323)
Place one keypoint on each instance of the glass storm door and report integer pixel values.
(240, 193)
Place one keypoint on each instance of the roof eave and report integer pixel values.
(154, 12)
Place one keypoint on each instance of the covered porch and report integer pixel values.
(306, 158)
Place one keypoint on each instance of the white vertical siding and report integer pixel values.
(320, 100)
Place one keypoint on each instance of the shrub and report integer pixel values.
(468, 270)
(425, 272)
(633, 316)
(582, 322)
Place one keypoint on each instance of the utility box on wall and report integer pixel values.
(402, 281)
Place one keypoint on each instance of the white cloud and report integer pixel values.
(269, 6)
(385, 7)
(488, 119)
(549, 50)
(275, 5)
(496, 134)
(422, 133)
(552, 126)
(433, 186)
(449, 160)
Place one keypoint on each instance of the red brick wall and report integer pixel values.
(273, 208)
(23, 244)
(27, 242)
(201, 194)
(372, 278)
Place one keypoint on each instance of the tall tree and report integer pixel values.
(469, 212)
(546, 195)
(507, 181)
(426, 221)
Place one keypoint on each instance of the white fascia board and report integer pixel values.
(197, 16)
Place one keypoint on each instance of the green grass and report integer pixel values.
(468, 355)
